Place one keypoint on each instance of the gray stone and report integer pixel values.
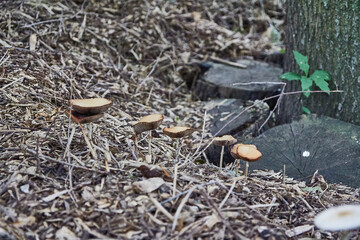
(313, 143)
(219, 80)
(243, 127)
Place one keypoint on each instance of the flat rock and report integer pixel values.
(313, 143)
(245, 126)
(219, 80)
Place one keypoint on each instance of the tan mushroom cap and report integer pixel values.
(178, 132)
(90, 105)
(81, 118)
(225, 140)
(247, 152)
(147, 123)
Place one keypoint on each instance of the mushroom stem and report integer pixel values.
(177, 143)
(237, 166)
(149, 146)
(175, 179)
(93, 153)
(221, 156)
(246, 169)
(136, 143)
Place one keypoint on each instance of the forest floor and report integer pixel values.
(136, 53)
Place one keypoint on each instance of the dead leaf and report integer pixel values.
(148, 185)
(54, 196)
(149, 173)
(24, 221)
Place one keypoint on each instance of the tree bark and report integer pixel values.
(328, 32)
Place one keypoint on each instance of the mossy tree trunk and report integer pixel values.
(328, 32)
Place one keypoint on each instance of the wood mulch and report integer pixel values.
(136, 53)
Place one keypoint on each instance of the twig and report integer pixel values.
(274, 109)
(14, 131)
(93, 153)
(180, 207)
(233, 64)
(161, 208)
(251, 207)
(228, 194)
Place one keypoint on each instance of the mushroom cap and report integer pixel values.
(340, 218)
(148, 123)
(178, 132)
(90, 105)
(81, 118)
(225, 140)
(246, 152)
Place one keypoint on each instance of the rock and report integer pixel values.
(218, 81)
(244, 127)
(313, 143)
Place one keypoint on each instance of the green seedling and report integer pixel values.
(319, 78)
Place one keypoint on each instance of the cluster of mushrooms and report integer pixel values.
(92, 109)
(246, 152)
(152, 122)
(341, 218)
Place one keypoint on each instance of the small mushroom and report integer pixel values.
(177, 133)
(147, 123)
(81, 118)
(341, 218)
(246, 152)
(87, 111)
(90, 106)
(223, 141)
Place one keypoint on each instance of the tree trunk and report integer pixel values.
(328, 32)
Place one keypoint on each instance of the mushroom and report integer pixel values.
(246, 152)
(147, 123)
(177, 132)
(340, 218)
(81, 118)
(87, 111)
(223, 141)
(90, 106)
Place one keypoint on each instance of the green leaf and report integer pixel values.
(302, 61)
(323, 85)
(320, 78)
(305, 110)
(306, 83)
(306, 94)
(319, 74)
(290, 76)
